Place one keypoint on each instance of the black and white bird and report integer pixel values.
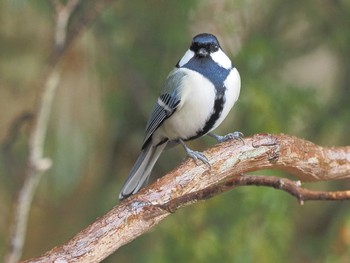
(197, 96)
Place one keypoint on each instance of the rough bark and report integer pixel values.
(191, 182)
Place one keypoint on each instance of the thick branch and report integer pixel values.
(191, 182)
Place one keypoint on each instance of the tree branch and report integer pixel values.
(37, 163)
(190, 183)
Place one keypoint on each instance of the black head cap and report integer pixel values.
(204, 44)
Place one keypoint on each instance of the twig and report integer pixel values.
(190, 183)
(292, 187)
(37, 164)
(63, 13)
(12, 135)
(14, 129)
(84, 22)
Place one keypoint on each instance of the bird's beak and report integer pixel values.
(202, 52)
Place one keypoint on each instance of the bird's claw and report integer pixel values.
(237, 135)
(231, 136)
(198, 156)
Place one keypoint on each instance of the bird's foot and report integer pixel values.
(194, 154)
(231, 136)
(198, 156)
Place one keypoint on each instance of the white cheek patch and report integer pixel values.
(188, 55)
(221, 58)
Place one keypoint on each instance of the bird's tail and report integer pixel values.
(141, 170)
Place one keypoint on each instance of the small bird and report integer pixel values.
(197, 96)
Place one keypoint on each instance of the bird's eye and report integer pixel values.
(214, 48)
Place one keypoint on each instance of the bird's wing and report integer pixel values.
(166, 104)
(165, 107)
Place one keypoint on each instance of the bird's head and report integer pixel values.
(204, 44)
(205, 47)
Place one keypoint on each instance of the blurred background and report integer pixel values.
(293, 57)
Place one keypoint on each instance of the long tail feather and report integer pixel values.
(141, 170)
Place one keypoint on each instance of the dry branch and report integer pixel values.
(190, 183)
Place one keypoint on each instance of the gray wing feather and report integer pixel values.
(141, 170)
(166, 104)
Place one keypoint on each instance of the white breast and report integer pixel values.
(196, 106)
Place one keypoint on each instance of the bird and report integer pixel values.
(196, 97)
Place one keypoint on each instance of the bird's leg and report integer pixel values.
(231, 136)
(194, 154)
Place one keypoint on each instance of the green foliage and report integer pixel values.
(110, 80)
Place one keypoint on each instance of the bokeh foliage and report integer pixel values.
(293, 57)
